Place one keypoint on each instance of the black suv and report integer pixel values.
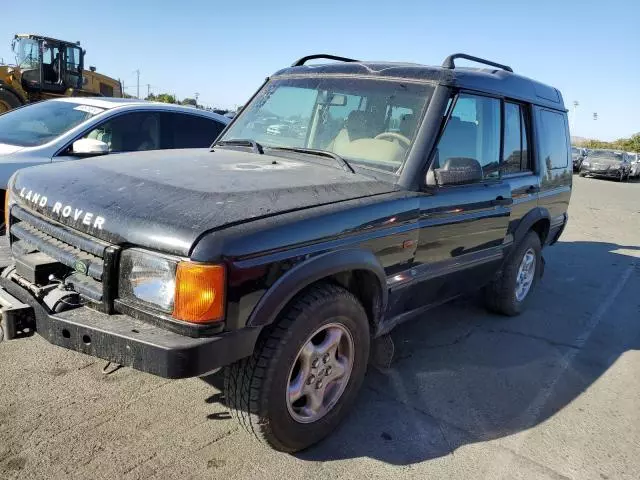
(343, 200)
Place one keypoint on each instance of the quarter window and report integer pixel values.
(471, 139)
(554, 150)
(516, 157)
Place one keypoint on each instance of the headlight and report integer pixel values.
(148, 277)
(189, 291)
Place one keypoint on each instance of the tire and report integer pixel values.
(581, 174)
(256, 387)
(8, 101)
(500, 294)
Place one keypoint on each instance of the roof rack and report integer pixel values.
(304, 60)
(448, 62)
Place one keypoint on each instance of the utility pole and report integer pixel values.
(138, 83)
(573, 118)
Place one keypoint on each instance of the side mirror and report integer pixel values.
(458, 171)
(89, 147)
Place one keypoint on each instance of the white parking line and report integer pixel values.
(530, 416)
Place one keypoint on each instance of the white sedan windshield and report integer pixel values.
(40, 123)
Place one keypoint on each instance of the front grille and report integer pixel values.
(31, 233)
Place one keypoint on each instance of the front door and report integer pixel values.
(465, 210)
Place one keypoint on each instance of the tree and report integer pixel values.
(190, 101)
(164, 98)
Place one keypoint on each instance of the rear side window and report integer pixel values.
(516, 155)
(554, 151)
(191, 131)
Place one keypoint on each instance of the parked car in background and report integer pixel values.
(577, 156)
(634, 162)
(72, 128)
(606, 163)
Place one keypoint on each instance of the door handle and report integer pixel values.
(501, 201)
(533, 189)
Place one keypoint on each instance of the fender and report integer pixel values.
(310, 271)
(528, 221)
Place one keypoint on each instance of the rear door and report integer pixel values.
(518, 168)
(463, 222)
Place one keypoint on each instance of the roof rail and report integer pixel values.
(448, 62)
(304, 60)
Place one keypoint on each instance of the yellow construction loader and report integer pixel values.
(49, 68)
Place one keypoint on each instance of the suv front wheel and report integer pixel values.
(305, 371)
(509, 293)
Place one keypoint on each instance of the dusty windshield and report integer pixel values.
(606, 154)
(368, 122)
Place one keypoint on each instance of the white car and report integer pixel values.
(72, 128)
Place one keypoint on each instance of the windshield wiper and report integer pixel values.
(242, 142)
(321, 153)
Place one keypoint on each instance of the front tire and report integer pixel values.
(8, 101)
(510, 292)
(305, 372)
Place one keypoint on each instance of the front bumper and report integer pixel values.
(601, 173)
(122, 339)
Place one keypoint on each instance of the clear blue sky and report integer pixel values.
(223, 50)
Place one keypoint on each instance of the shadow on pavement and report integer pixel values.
(462, 375)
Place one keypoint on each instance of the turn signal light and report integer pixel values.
(199, 292)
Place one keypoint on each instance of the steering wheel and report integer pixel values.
(394, 136)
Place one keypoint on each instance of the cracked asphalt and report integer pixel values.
(552, 394)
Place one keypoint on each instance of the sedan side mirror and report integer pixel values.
(89, 147)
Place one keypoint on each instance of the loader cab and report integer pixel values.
(48, 65)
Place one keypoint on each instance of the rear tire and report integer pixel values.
(502, 294)
(8, 101)
(259, 389)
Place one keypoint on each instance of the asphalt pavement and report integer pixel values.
(551, 394)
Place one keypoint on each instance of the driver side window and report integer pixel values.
(130, 132)
(469, 149)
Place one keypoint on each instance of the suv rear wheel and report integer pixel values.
(508, 294)
(305, 371)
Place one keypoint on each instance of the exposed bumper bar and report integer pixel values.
(124, 340)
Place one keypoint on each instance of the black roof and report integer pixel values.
(47, 39)
(491, 80)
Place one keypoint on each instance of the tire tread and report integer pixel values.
(245, 381)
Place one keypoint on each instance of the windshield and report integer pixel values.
(26, 52)
(368, 122)
(40, 123)
(609, 155)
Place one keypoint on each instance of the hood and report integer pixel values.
(608, 162)
(6, 149)
(165, 200)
